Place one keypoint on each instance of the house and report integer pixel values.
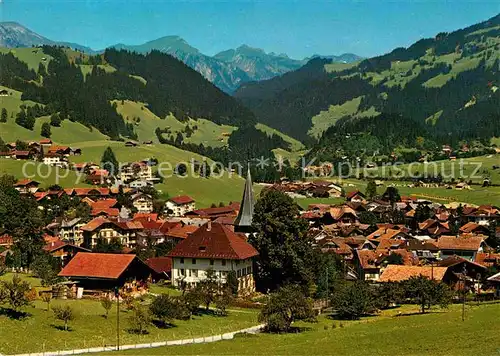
(46, 142)
(54, 159)
(69, 231)
(214, 247)
(142, 202)
(23, 155)
(433, 227)
(355, 196)
(105, 271)
(472, 272)
(344, 214)
(162, 266)
(131, 144)
(61, 250)
(474, 228)
(4, 92)
(214, 213)
(109, 229)
(369, 264)
(179, 206)
(136, 171)
(179, 232)
(26, 186)
(463, 246)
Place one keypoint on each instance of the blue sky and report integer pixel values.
(298, 28)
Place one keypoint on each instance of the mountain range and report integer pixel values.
(227, 69)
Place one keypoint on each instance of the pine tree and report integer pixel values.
(109, 161)
(45, 131)
(3, 117)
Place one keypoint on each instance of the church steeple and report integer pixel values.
(243, 222)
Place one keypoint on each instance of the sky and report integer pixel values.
(297, 28)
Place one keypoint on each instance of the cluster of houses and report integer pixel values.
(451, 244)
(44, 150)
(444, 245)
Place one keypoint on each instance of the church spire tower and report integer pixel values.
(243, 222)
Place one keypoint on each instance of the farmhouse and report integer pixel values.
(104, 271)
(213, 247)
(26, 186)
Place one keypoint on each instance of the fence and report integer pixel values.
(199, 340)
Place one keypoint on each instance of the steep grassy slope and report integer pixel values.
(454, 74)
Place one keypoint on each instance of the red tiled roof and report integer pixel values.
(24, 182)
(181, 231)
(488, 259)
(160, 264)
(397, 273)
(182, 199)
(6, 240)
(353, 194)
(104, 204)
(469, 243)
(145, 216)
(97, 265)
(105, 211)
(214, 241)
(215, 212)
(98, 221)
(472, 226)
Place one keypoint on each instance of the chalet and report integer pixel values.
(61, 250)
(474, 272)
(47, 142)
(109, 229)
(162, 267)
(54, 159)
(179, 206)
(26, 186)
(213, 213)
(474, 228)
(69, 231)
(356, 196)
(142, 202)
(463, 246)
(60, 150)
(214, 247)
(105, 271)
(136, 171)
(343, 214)
(434, 228)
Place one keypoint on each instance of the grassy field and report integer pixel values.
(40, 331)
(295, 145)
(441, 332)
(87, 68)
(42, 173)
(475, 168)
(207, 132)
(69, 132)
(12, 103)
(31, 56)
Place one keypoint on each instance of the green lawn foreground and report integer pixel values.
(441, 332)
(39, 332)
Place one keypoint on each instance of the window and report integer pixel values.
(223, 262)
(194, 273)
(182, 260)
(181, 272)
(211, 262)
(193, 261)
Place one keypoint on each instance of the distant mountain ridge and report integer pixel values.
(227, 69)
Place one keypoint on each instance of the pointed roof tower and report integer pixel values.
(243, 222)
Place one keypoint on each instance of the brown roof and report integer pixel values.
(397, 273)
(214, 240)
(97, 265)
(464, 243)
(182, 199)
(24, 182)
(337, 212)
(216, 212)
(125, 225)
(160, 264)
(487, 259)
(181, 231)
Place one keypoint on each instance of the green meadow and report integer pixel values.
(441, 332)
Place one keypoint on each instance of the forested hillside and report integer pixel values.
(446, 86)
(94, 90)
